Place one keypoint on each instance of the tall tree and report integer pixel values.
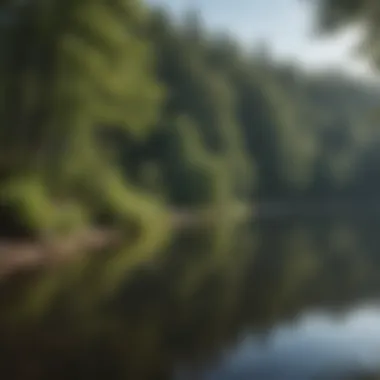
(74, 70)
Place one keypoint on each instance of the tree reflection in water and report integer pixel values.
(186, 307)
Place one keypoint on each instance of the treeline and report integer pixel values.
(241, 125)
(113, 113)
(285, 133)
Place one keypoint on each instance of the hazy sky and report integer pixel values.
(286, 24)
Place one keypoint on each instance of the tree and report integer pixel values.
(74, 70)
(205, 96)
(333, 15)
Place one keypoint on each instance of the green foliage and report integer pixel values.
(115, 116)
(29, 200)
(118, 117)
(74, 68)
(205, 96)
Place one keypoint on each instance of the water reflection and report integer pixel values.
(186, 307)
(317, 346)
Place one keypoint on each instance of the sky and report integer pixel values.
(287, 25)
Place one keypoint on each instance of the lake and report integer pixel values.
(289, 299)
(315, 346)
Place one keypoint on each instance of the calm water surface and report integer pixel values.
(314, 286)
(315, 346)
(290, 300)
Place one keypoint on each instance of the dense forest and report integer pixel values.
(117, 116)
(118, 113)
(181, 115)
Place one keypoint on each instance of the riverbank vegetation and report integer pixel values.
(114, 114)
(117, 116)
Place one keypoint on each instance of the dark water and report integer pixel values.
(292, 299)
(316, 346)
(310, 306)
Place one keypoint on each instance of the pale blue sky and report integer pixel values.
(286, 24)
